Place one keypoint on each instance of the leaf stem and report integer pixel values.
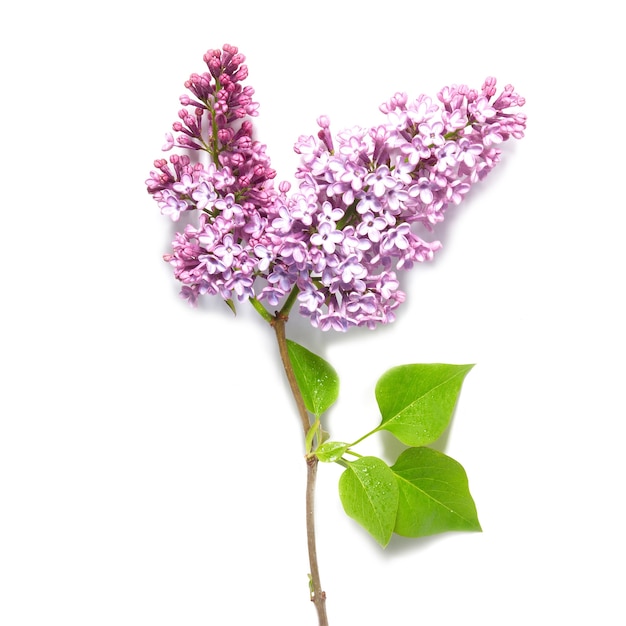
(262, 311)
(365, 436)
(318, 596)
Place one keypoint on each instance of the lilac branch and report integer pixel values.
(334, 245)
(318, 596)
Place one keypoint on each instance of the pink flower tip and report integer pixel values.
(323, 121)
(169, 142)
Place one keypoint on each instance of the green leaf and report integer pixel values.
(434, 494)
(416, 401)
(331, 451)
(316, 378)
(369, 493)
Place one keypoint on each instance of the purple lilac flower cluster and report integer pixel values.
(338, 241)
(231, 191)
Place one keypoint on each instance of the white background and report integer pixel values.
(150, 460)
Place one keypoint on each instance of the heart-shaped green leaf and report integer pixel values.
(317, 379)
(434, 495)
(369, 493)
(416, 401)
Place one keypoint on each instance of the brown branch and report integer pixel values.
(318, 596)
(279, 328)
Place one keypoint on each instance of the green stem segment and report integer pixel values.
(318, 596)
(262, 311)
(365, 436)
